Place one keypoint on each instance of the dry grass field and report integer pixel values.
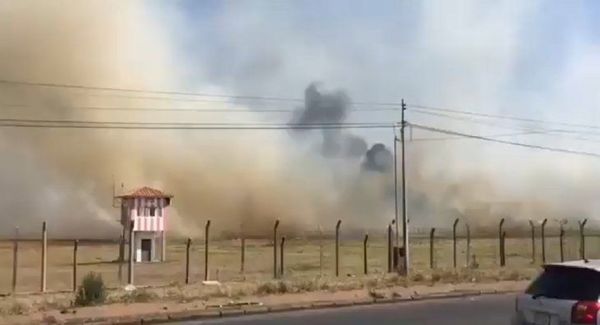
(301, 260)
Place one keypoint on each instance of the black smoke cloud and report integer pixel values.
(320, 107)
(328, 108)
(325, 108)
(378, 159)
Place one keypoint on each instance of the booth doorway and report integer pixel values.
(146, 250)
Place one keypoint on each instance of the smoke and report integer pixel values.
(379, 159)
(247, 179)
(329, 108)
(55, 175)
(507, 58)
(239, 179)
(323, 107)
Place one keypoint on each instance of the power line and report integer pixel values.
(391, 106)
(465, 119)
(132, 90)
(395, 105)
(191, 127)
(12, 120)
(171, 99)
(550, 132)
(505, 117)
(484, 138)
(187, 110)
(502, 135)
(178, 93)
(74, 124)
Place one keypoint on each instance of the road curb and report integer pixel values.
(187, 315)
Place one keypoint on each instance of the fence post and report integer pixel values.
(501, 241)
(454, 242)
(431, 238)
(337, 247)
(206, 235)
(468, 229)
(15, 260)
(561, 235)
(582, 238)
(275, 248)
(243, 254)
(504, 248)
(320, 251)
(131, 271)
(121, 256)
(532, 225)
(544, 240)
(44, 257)
(365, 262)
(188, 245)
(281, 251)
(75, 247)
(389, 247)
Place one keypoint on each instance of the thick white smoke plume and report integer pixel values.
(236, 178)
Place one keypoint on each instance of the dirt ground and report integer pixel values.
(301, 260)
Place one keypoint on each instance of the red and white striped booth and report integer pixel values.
(147, 208)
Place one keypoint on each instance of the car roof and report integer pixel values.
(584, 264)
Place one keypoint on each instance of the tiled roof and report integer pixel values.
(146, 192)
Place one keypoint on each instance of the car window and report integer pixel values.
(563, 282)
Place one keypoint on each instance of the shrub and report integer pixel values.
(418, 277)
(139, 295)
(393, 280)
(448, 276)
(373, 283)
(512, 276)
(283, 287)
(324, 286)
(267, 288)
(91, 291)
(375, 295)
(273, 287)
(14, 307)
(307, 285)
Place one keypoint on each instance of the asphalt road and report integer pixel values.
(488, 310)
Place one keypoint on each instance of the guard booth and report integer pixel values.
(147, 208)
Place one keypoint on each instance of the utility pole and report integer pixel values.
(405, 265)
(396, 221)
(404, 216)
